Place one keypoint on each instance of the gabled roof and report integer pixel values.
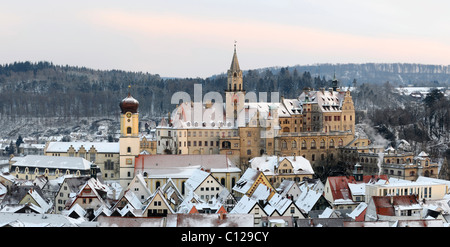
(268, 163)
(280, 204)
(160, 194)
(307, 199)
(196, 179)
(244, 205)
(248, 179)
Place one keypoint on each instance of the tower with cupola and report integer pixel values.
(129, 138)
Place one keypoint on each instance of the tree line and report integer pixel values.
(45, 90)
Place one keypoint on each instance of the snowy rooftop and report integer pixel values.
(246, 181)
(214, 162)
(197, 177)
(267, 163)
(101, 147)
(56, 162)
(38, 220)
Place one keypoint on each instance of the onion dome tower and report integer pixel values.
(129, 104)
(129, 143)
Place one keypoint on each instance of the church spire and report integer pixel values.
(234, 63)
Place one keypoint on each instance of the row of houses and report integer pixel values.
(271, 192)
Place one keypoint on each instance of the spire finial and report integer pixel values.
(235, 45)
(129, 89)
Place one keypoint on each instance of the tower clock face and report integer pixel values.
(128, 114)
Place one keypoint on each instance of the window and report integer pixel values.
(129, 149)
(92, 157)
(313, 144)
(129, 130)
(303, 144)
(322, 144)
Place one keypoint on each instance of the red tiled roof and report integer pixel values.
(182, 160)
(339, 185)
(385, 204)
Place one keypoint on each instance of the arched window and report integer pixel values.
(303, 144)
(284, 145)
(322, 144)
(129, 130)
(331, 143)
(222, 181)
(313, 144)
(129, 149)
(158, 184)
(294, 144)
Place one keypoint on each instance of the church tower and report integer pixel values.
(129, 138)
(235, 93)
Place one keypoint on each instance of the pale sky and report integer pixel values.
(195, 38)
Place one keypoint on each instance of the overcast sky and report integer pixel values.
(195, 38)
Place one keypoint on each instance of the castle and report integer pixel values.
(313, 125)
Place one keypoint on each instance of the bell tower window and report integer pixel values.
(129, 130)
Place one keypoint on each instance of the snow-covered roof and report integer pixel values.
(357, 189)
(38, 220)
(246, 181)
(101, 147)
(212, 162)
(266, 164)
(56, 162)
(358, 210)
(328, 101)
(244, 205)
(197, 177)
(307, 199)
(280, 203)
(210, 220)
